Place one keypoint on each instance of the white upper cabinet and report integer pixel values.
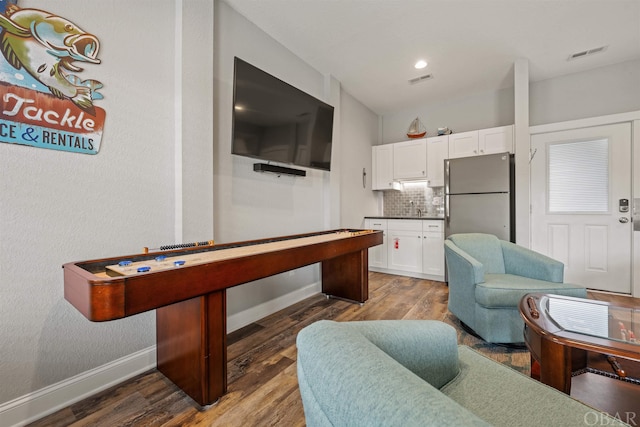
(437, 152)
(383, 168)
(479, 142)
(410, 159)
(495, 140)
(423, 159)
(463, 144)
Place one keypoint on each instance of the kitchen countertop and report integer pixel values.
(406, 217)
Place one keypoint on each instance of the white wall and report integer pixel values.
(602, 91)
(167, 67)
(599, 92)
(194, 62)
(252, 205)
(58, 207)
(359, 132)
(476, 111)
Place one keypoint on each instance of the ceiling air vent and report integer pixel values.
(420, 79)
(587, 53)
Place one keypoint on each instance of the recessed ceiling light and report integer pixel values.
(420, 64)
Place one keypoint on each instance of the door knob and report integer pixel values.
(623, 219)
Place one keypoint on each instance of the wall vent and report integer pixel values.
(587, 53)
(420, 79)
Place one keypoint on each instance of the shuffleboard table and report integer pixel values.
(187, 288)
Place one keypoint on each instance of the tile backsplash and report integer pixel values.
(412, 197)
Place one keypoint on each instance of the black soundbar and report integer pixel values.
(280, 170)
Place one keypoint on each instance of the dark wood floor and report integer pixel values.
(263, 389)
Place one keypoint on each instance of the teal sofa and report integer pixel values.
(487, 279)
(413, 373)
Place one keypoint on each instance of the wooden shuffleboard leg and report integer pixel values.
(347, 276)
(192, 346)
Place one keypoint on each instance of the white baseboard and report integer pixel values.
(244, 318)
(33, 406)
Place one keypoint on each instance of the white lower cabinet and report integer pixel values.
(404, 245)
(411, 247)
(378, 254)
(433, 248)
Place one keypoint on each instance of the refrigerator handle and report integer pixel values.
(446, 176)
(446, 208)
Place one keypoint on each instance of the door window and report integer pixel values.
(578, 177)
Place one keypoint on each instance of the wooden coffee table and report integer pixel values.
(565, 334)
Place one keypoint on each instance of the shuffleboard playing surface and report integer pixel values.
(161, 263)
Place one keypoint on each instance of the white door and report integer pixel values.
(580, 192)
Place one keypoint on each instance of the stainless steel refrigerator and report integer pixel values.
(479, 195)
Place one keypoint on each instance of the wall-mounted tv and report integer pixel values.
(274, 121)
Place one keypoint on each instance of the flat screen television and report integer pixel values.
(274, 121)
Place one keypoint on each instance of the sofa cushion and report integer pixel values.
(348, 380)
(504, 397)
(427, 348)
(506, 290)
(485, 248)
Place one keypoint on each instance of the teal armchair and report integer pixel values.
(487, 279)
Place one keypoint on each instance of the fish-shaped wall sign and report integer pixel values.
(46, 47)
(43, 101)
